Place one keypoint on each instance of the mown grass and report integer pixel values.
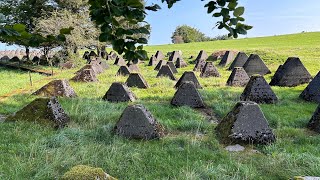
(190, 149)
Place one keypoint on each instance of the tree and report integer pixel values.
(106, 12)
(188, 34)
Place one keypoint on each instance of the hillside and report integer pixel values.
(190, 150)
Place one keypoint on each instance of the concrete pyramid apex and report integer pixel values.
(96, 69)
(159, 55)
(259, 91)
(238, 77)
(113, 55)
(314, 123)
(137, 80)
(47, 111)
(209, 70)
(180, 63)
(119, 92)
(255, 65)
(172, 67)
(85, 75)
(153, 61)
(174, 56)
(60, 88)
(123, 71)
(134, 68)
(92, 53)
(239, 61)
(291, 73)
(312, 91)
(202, 55)
(5, 58)
(245, 123)
(165, 71)
(187, 95)
(15, 59)
(136, 122)
(120, 61)
(227, 58)
(188, 76)
(200, 65)
(160, 63)
(96, 66)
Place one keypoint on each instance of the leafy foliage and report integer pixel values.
(188, 34)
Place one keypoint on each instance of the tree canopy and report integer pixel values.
(188, 34)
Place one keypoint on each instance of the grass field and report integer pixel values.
(190, 150)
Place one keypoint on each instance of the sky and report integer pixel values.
(268, 18)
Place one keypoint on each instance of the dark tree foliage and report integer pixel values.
(106, 14)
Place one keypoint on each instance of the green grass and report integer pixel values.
(190, 150)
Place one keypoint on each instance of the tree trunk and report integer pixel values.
(28, 52)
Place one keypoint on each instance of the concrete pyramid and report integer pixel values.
(96, 69)
(134, 68)
(255, 65)
(123, 71)
(47, 111)
(119, 92)
(239, 61)
(209, 70)
(188, 76)
(160, 63)
(238, 77)
(14, 59)
(153, 61)
(291, 73)
(5, 58)
(85, 75)
(172, 67)
(86, 55)
(187, 95)
(259, 91)
(56, 88)
(136, 122)
(113, 55)
(227, 59)
(165, 70)
(96, 64)
(159, 55)
(246, 123)
(314, 123)
(120, 61)
(137, 80)
(202, 55)
(92, 53)
(200, 65)
(312, 91)
(174, 56)
(180, 63)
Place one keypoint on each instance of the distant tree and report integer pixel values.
(188, 34)
(177, 39)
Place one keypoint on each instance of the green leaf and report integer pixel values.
(142, 41)
(238, 11)
(19, 27)
(216, 15)
(131, 46)
(221, 2)
(232, 5)
(66, 30)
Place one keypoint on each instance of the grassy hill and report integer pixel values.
(190, 150)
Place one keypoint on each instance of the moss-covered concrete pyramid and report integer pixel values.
(180, 63)
(136, 122)
(188, 76)
(312, 91)
(165, 71)
(291, 73)
(202, 55)
(160, 63)
(123, 71)
(200, 65)
(187, 95)
(259, 91)
(92, 53)
(56, 88)
(47, 111)
(120, 61)
(137, 80)
(227, 59)
(255, 65)
(247, 124)
(153, 61)
(159, 55)
(239, 61)
(96, 69)
(174, 56)
(119, 92)
(238, 77)
(172, 67)
(86, 75)
(209, 70)
(134, 67)
(314, 123)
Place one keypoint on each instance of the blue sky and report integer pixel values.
(269, 17)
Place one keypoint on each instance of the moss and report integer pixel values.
(82, 172)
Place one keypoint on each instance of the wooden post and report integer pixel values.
(30, 78)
